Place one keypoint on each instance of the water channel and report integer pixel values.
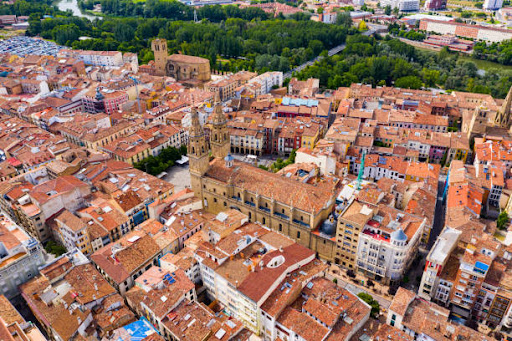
(72, 5)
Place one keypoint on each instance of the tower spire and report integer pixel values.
(503, 115)
(219, 137)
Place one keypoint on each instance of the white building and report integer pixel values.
(233, 276)
(492, 5)
(267, 80)
(388, 244)
(20, 256)
(402, 5)
(432, 285)
(324, 160)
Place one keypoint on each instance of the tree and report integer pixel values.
(371, 302)
(430, 77)
(344, 19)
(320, 10)
(387, 10)
(503, 220)
(363, 26)
(54, 248)
(409, 82)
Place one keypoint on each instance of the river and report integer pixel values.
(72, 5)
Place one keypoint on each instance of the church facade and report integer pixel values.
(179, 66)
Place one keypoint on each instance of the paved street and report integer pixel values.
(438, 224)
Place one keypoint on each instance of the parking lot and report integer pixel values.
(22, 46)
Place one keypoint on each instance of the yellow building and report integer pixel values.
(350, 225)
(293, 208)
(128, 149)
(73, 232)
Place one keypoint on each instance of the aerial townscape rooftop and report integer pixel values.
(221, 170)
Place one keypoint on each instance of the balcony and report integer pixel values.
(250, 203)
(282, 216)
(300, 223)
(236, 198)
(265, 209)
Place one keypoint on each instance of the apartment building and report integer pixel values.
(122, 262)
(21, 256)
(388, 244)
(424, 320)
(69, 296)
(157, 292)
(73, 232)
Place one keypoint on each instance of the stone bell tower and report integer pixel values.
(198, 153)
(219, 136)
(159, 47)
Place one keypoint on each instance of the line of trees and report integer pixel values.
(232, 44)
(377, 61)
(155, 165)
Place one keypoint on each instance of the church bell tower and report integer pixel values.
(219, 136)
(197, 153)
(503, 118)
(159, 47)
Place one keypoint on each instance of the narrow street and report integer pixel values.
(439, 214)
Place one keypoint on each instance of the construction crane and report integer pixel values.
(136, 81)
(361, 172)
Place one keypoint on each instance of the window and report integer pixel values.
(280, 227)
(298, 234)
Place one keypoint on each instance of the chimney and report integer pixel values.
(182, 222)
(79, 320)
(95, 286)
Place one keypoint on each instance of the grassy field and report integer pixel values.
(481, 64)
(484, 64)
(6, 34)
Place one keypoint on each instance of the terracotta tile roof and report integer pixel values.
(8, 313)
(401, 301)
(53, 188)
(302, 324)
(257, 283)
(131, 252)
(70, 220)
(303, 196)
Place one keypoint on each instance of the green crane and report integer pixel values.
(361, 172)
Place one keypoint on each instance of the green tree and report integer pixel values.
(409, 82)
(371, 302)
(344, 19)
(430, 77)
(363, 26)
(503, 221)
(387, 10)
(65, 34)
